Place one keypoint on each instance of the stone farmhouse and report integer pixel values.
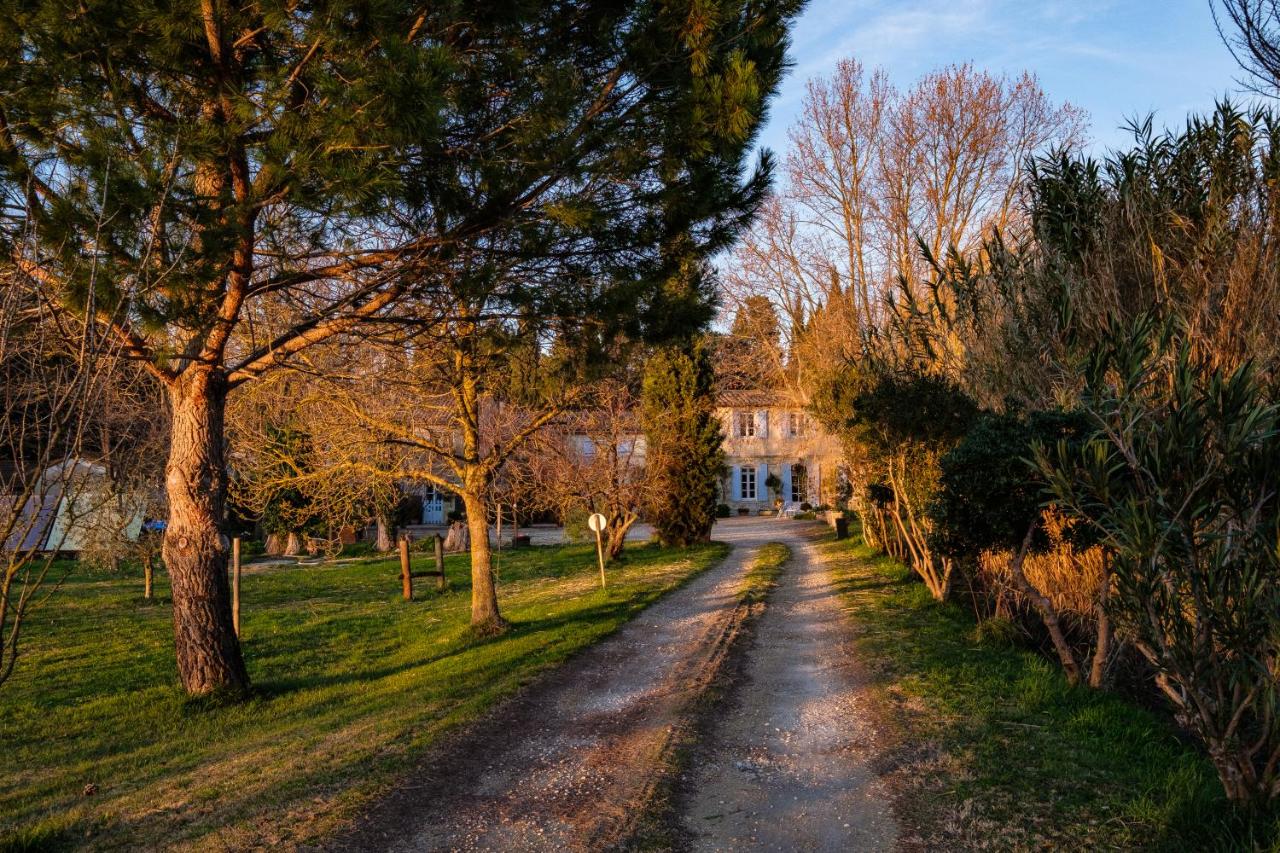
(768, 442)
(764, 437)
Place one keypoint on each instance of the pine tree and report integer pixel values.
(222, 185)
(684, 443)
(200, 179)
(648, 175)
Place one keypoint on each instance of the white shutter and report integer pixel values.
(735, 483)
(786, 482)
(762, 423)
(762, 473)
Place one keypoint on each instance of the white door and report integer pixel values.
(432, 506)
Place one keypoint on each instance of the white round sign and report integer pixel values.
(597, 522)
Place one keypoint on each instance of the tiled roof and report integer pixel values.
(751, 399)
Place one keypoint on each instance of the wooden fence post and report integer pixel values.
(406, 576)
(440, 579)
(235, 584)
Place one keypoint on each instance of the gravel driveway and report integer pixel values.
(571, 762)
(568, 764)
(787, 766)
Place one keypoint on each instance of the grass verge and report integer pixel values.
(763, 573)
(351, 683)
(990, 748)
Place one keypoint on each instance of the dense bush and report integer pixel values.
(990, 498)
(896, 426)
(1179, 481)
(990, 494)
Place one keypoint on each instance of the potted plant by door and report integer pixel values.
(774, 485)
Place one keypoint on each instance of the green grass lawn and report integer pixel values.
(350, 683)
(993, 749)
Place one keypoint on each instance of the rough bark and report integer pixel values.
(619, 526)
(485, 617)
(382, 541)
(194, 550)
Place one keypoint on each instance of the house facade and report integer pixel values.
(773, 452)
(70, 506)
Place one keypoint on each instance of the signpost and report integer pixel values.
(598, 523)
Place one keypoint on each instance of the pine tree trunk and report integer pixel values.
(194, 548)
(485, 617)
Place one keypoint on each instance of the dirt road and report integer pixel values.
(787, 766)
(568, 764)
(571, 762)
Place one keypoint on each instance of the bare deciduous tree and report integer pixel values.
(1251, 30)
(287, 469)
(54, 375)
(878, 180)
(594, 460)
(435, 408)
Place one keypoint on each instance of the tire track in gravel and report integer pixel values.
(787, 764)
(570, 763)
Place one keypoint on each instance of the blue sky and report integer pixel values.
(1114, 59)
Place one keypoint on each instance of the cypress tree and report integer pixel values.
(684, 443)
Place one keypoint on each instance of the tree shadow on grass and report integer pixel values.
(878, 583)
(277, 688)
(525, 627)
(274, 688)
